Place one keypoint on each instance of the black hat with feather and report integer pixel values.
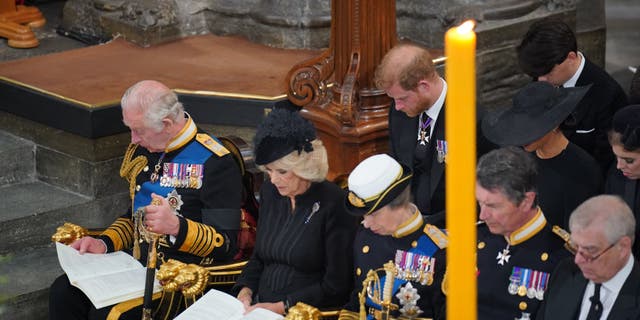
(281, 133)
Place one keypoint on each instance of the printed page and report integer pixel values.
(89, 265)
(219, 305)
(114, 288)
(105, 279)
(213, 305)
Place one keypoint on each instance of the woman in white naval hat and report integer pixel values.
(393, 229)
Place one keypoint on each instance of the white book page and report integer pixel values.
(213, 305)
(219, 305)
(113, 288)
(79, 266)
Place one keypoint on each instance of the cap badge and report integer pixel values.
(355, 200)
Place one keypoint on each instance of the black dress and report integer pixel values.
(304, 255)
(565, 181)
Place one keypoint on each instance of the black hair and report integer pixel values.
(546, 44)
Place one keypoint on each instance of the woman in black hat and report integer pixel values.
(567, 174)
(623, 178)
(304, 232)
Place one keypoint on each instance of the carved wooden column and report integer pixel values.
(348, 111)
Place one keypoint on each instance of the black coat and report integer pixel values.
(566, 289)
(372, 251)
(629, 190)
(216, 203)
(539, 251)
(589, 123)
(305, 255)
(428, 185)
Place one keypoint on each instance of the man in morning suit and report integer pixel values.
(517, 248)
(549, 52)
(603, 280)
(416, 122)
(188, 186)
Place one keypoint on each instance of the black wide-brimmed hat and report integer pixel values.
(537, 109)
(282, 132)
(374, 183)
(626, 122)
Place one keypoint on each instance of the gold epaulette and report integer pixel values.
(566, 236)
(437, 236)
(211, 144)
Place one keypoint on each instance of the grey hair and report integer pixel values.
(509, 170)
(402, 199)
(312, 166)
(155, 100)
(609, 212)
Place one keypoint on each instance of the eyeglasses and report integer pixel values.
(589, 259)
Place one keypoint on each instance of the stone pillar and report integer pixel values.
(591, 30)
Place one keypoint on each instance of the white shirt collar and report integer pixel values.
(608, 292)
(434, 111)
(574, 79)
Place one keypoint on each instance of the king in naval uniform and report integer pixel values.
(184, 185)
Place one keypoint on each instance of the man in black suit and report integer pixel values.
(603, 280)
(549, 52)
(416, 123)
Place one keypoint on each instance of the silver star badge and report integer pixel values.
(175, 200)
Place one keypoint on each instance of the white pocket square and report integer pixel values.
(586, 131)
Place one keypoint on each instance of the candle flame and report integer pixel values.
(467, 26)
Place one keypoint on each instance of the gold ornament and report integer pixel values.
(355, 200)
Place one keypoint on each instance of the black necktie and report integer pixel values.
(596, 306)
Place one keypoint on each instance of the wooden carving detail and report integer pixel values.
(308, 81)
(336, 90)
(349, 93)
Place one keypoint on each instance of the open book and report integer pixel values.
(219, 305)
(105, 279)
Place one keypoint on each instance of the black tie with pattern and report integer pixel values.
(596, 306)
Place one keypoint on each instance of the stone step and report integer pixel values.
(27, 277)
(32, 212)
(17, 157)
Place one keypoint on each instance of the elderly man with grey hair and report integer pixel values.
(195, 185)
(603, 279)
(517, 248)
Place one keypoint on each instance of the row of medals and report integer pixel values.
(520, 286)
(415, 267)
(181, 175)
